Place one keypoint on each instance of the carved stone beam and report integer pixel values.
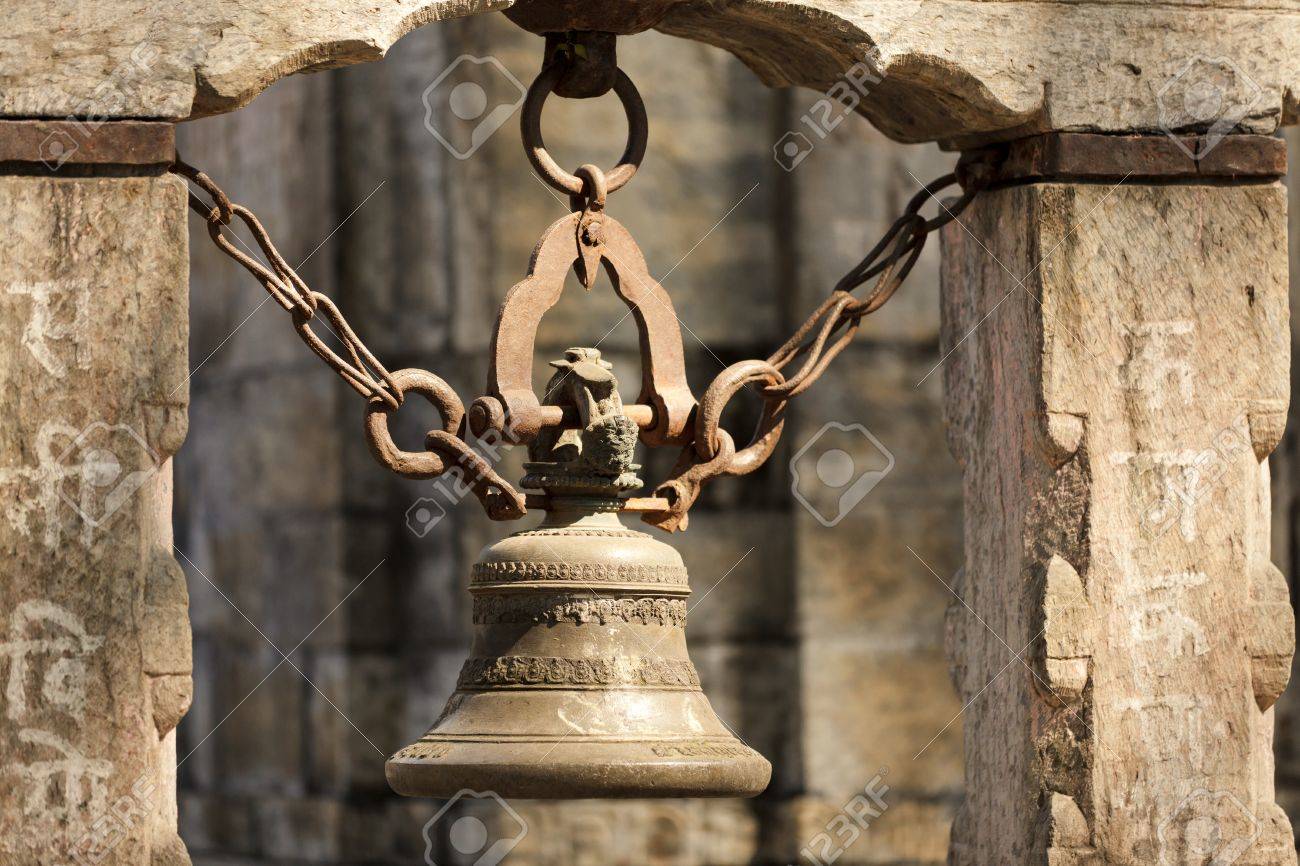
(957, 71)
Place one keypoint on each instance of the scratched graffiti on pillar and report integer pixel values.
(56, 328)
(1157, 611)
(1177, 488)
(1163, 623)
(1173, 729)
(1187, 743)
(47, 646)
(1178, 480)
(45, 650)
(81, 478)
(65, 789)
(1158, 365)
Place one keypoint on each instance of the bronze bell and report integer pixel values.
(578, 683)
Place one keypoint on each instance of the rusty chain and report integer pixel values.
(823, 336)
(385, 391)
(710, 451)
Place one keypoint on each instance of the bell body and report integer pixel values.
(578, 683)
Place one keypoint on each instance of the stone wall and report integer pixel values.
(818, 628)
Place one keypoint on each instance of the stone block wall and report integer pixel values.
(818, 625)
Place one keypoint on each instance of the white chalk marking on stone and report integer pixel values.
(1158, 359)
(1179, 478)
(63, 684)
(80, 476)
(79, 782)
(43, 328)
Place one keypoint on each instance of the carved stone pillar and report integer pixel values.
(1117, 374)
(94, 634)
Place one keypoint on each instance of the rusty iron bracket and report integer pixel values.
(664, 407)
(80, 146)
(589, 60)
(1157, 158)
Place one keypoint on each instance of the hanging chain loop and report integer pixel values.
(823, 336)
(361, 369)
(358, 366)
(709, 451)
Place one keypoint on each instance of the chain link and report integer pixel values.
(385, 391)
(361, 369)
(712, 452)
(823, 336)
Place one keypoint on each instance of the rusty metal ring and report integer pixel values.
(413, 464)
(709, 414)
(547, 168)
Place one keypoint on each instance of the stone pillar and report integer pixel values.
(1285, 471)
(94, 636)
(1117, 374)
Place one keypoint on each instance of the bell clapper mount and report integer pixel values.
(578, 683)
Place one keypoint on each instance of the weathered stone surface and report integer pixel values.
(301, 828)
(906, 830)
(172, 696)
(1284, 468)
(166, 640)
(212, 823)
(1052, 66)
(929, 73)
(740, 567)
(92, 364)
(1127, 564)
(873, 680)
(255, 750)
(144, 59)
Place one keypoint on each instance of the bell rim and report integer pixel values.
(584, 769)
